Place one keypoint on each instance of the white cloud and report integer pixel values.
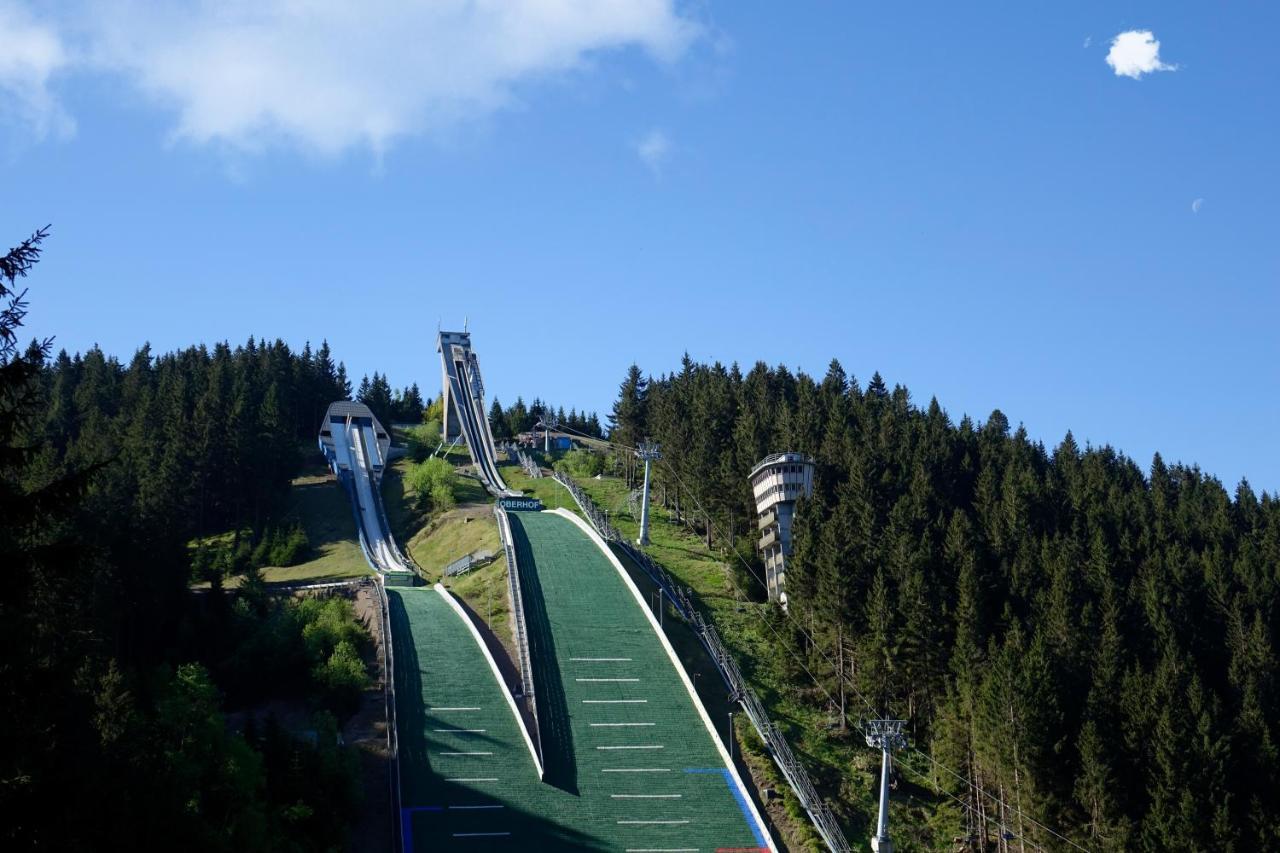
(1196, 205)
(330, 75)
(1135, 53)
(30, 54)
(654, 149)
(1088, 40)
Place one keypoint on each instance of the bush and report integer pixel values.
(581, 463)
(342, 678)
(280, 547)
(291, 547)
(326, 624)
(432, 483)
(422, 441)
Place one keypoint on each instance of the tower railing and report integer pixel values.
(824, 821)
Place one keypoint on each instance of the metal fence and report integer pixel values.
(517, 607)
(389, 699)
(464, 564)
(797, 777)
(526, 462)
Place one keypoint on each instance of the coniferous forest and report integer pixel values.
(1080, 637)
(115, 679)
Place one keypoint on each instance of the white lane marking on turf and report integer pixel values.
(475, 779)
(614, 701)
(459, 708)
(636, 770)
(612, 725)
(649, 822)
(484, 807)
(662, 850)
(478, 834)
(466, 753)
(621, 660)
(497, 674)
(646, 796)
(657, 746)
(464, 731)
(606, 679)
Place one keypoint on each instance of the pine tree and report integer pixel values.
(628, 423)
(498, 421)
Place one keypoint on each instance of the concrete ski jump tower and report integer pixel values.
(464, 412)
(777, 481)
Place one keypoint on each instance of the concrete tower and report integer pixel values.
(777, 481)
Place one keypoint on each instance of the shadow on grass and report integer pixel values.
(509, 669)
(429, 820)
(553, 710)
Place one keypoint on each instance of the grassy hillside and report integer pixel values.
(324, 510)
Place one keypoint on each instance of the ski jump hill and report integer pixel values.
(603, 744)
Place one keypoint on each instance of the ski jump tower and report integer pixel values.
(464, 412)
(777, 482)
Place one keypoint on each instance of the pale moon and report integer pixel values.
(1196, 205)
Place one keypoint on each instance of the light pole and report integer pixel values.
(885, 735)
(648, 451)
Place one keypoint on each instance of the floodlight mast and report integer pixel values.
(885, 735)
(648, 451)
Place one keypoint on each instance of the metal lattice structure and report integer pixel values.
(824, 821)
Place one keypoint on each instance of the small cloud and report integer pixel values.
(1135, 53)
(1088, 40)
(1196, 205)
(654, 150)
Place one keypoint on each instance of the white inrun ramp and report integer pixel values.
(356, 446)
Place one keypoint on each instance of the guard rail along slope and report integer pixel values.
(389, 699)
(517, 607)
(797, 777)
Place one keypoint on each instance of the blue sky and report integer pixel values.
(970, 199)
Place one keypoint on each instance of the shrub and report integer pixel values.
(326, 624)
(581, 463)
(432, 483)
(279, 547)
(291, 547)
(342, 678)
(422, 441)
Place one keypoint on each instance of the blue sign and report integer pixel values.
(520, 504)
